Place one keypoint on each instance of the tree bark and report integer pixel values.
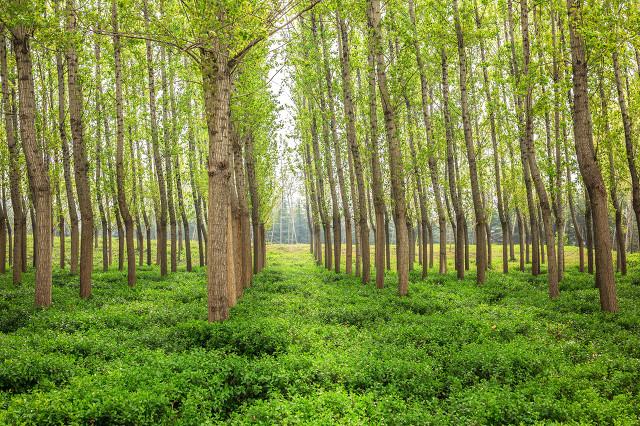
(161, 225)
(589, 168)
(478, 206)
(395, 155)
(545, 206)
(37, 168)
(168, 136)
(349, 112)
(14, 167)
(123, 205)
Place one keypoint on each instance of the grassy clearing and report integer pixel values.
(308, 346)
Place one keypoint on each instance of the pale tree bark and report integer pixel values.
(14, 166)
(478, 206)
(161, 226)
(349, 112)
(589, 168)
(315, 210)
(38, 169)
(395, 155)
(123, 205)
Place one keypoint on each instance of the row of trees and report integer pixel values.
(154, 115)
(487, 107)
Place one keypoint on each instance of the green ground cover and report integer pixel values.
(305, 345)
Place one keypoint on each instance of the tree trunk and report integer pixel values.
(14, 167)
(123, 206)
(161, 225)
(349, 112)
(478, 206)
(382, 224)
(38, 169)
(457, 207)
(250, 162)
(395, 155)
(80, 162)
(168, 137)
(588, 166)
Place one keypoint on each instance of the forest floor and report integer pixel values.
(305, 345)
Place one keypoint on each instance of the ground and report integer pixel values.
(305, 345)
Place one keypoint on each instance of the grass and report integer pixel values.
(305, 345)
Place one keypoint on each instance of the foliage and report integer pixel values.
(308, 346)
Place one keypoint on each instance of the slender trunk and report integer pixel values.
(161, 225)
(123, 205)
(395, 154)
(589, 168)
(455, 201)
(14, 167)
(255, 204)
(382, 224)
(349, 112)
(168, 136)
(588, 229)
(478, 206)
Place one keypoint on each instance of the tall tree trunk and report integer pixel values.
(395, 155)
(194, 192)
(628, 140)
(494, 143)
(245, 229)
(545, 206)
(330, 110)
(522, 124)
(123, 206)
(66, 164)
(478, 206)
(613, 184)
(98, 167)
(14, 167)
(588, 229)
(38, 169)
(382, 224)
(80, 162)
(455, 201)
(161, 225)
(589, 168)
(349, 112)
(168, 135)
(250, 166)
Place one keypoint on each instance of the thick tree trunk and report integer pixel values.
(123, 205)
(217, 84)
(589, 168)
(38, 169)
